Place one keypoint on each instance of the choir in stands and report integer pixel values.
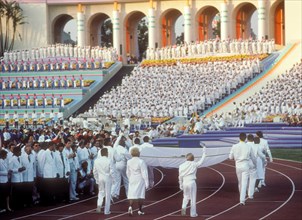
(180, 90)
(57, 57)
(211, 47)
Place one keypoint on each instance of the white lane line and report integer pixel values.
(224, 211)
(287, 160)
(120, 201)
(289, 198)
(49, 210)
(292, 193)
(222, 184)
(289, 166)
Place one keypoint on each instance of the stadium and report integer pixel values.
(154, 109)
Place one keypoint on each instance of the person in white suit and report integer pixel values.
(120, 147)
(253, 166)
(28, 161)
(267, 151)
(4, 184)
(241, 153)
(50, 173)
(104, 173)
(17, 169)
(187, 182)
(137, 174)
(261, 162)
(70, 152)
(63, 169)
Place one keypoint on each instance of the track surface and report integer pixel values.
(217, 198)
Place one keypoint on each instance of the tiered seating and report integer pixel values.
(279, 135)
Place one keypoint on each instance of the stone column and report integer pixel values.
(151, 26)
(81, 26)
(261, 19)
(224, 21)
(116, 28)
(187, 23)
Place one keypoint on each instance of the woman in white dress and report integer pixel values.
(137, 174)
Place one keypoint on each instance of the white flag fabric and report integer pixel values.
(168, 157)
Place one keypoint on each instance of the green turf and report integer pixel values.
(288, 154)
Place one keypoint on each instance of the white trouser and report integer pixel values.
(252, 182)
(73, 181)
(120, 175)
(190, 190)
(104, 191)
(243, 177)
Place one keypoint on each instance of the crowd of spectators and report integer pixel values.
(180, 90)
(55, 163)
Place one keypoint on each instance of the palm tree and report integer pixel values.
(13, 15)
(2, 9)
(17, 19)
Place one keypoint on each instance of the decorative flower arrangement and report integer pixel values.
(171, 62)
(157, 120)
(107, 65)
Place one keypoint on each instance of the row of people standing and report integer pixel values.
(41, 82)
(32, 101)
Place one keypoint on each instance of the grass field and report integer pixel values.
(288, 154)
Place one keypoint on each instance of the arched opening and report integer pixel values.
(168, 21)
(208, 20)
(100, 30)
(279, 24)
(59, 35)
(136, 28)
(70, 29)
(244, 21)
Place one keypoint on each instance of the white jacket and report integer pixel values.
(50, 168)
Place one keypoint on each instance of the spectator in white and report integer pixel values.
(267, 152)
(85, 178)
(16, 119)
(70, 153)
(50, 173)
(4, 184)
(17, 169)
(83, 153)
(137, 174)
(63, 169)
(187, 182)
(34, 119)
(241, 153)
(104, 175)
(28, 161)
(39, 155)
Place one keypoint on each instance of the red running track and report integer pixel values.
(217, 198)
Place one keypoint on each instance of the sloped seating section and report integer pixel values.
(279, 135)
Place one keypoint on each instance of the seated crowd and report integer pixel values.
(176, 90)
(210, 47)
(55, 164)
(57, 57)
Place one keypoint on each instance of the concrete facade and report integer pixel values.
(46, 19)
